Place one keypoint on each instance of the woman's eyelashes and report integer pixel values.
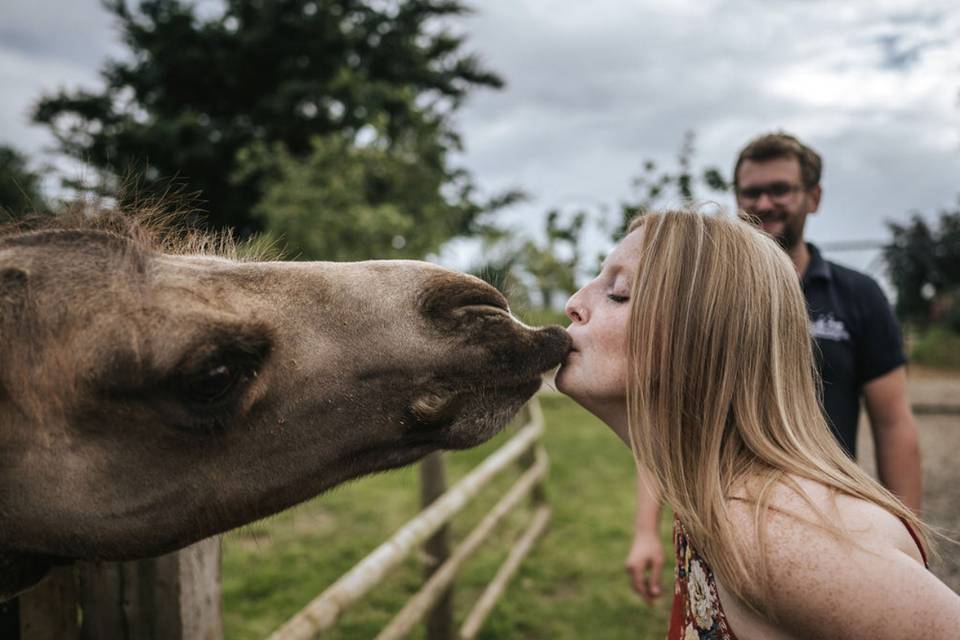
(612, 297)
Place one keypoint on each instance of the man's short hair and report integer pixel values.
(771, 146)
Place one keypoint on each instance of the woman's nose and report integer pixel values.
(574, 310)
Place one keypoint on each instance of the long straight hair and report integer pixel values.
(722, 388)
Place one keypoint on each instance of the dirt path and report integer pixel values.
(940, 449)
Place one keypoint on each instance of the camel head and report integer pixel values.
(151, 397)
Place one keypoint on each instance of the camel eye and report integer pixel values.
(212, 377)
(214, 383)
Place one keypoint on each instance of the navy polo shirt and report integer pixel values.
(857, 336)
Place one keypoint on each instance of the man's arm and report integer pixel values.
(895, 436)
(644, 562)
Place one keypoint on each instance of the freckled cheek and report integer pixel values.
(617, 368)
(615, 339)
(617, 355)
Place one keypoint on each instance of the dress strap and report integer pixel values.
(916, 539)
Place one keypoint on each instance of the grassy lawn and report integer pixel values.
(571, 586)
(937, 347)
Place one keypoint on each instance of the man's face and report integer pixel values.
(772, 191)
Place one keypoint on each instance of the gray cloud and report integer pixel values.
(79, 31)
(595, 88)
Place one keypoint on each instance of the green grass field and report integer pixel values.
(937, 347)
(571, 586)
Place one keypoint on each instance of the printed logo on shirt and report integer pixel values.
(829, 328)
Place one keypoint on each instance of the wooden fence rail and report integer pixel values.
(322, 613)
(414, 611)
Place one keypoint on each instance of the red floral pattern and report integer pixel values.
(697, 613)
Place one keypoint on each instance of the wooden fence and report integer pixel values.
(177, 596)
(170, 597)
(432, 601)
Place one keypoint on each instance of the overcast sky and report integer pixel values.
(594, 88)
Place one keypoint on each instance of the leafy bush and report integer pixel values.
(937, 347)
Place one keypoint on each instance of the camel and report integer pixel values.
(154, 392)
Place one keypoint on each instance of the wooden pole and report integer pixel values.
(201, 597)
(936, 409)
(416, 607)
(50, 611)
(10, 618)
(324, 610)
(433, 484)
(539, 495)
(170, 597)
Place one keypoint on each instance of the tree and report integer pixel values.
(550, 269)
(554, 264)
(532, 273)
(653, 185)
(194, 92)
(349, 201)
(924, 267)
(19, 185)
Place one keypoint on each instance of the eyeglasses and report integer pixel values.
(778, 191)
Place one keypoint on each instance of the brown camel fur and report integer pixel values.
(152, 396)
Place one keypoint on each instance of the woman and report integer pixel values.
(693, 345)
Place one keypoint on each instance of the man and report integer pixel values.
(777, 182)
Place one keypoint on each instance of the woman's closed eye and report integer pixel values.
(612, 297)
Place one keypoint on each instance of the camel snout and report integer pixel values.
(556, 344)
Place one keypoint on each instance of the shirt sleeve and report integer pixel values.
(880, 344)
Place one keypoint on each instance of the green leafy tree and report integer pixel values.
(346, 201)
(20, 191)
(553, 265)
(531, 272)
(550, 269)
(542, 273)
(924, 266)
(194, 92)
(682, 185)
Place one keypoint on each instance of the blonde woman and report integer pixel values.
(693, 346)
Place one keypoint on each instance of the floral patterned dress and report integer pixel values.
(697, 613)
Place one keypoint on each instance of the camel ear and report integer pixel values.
(13, 286)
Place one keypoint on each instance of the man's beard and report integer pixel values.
(788, 238)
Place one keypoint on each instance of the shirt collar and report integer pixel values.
(818, 268)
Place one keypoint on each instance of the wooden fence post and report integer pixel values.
(175, 597)
(433, 484)
(50, 610)
(535, 413)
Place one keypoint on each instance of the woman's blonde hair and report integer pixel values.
(722, 391)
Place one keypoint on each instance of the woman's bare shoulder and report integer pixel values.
(799, 504)
(871, 585)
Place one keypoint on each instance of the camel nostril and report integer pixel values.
(449, 299)
(483, 310)
(482, 298)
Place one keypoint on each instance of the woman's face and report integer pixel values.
(595, 371)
